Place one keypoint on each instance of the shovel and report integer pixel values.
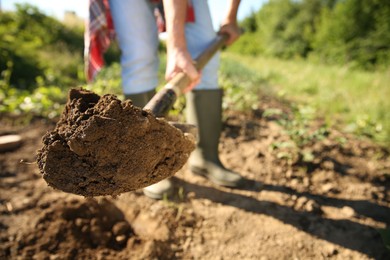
(105, 146)
(163, 101)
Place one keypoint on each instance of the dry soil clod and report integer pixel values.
(103, 146)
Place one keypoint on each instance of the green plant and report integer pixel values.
(298, 127)
(108, 81)
(176, 205)
(241, 85)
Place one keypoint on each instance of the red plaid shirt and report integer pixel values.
(100, 32)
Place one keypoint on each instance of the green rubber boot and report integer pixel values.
(164, 187)
(204, 109)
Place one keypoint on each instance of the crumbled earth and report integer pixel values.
(324, 199)
(103, 146)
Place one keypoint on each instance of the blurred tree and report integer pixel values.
(287, 27)
(37, 45)
(273, 20)
(336, 31)
(249, 24)
(17, 55)
(355, 31)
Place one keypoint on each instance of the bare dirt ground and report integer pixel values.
(326, 206)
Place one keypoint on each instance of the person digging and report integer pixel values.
(189, 30)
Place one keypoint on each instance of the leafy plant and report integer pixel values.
(298, 127)
(108, 81)
(241, 85)
(43, 101)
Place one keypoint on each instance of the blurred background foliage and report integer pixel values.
(34, 45)
(331, 56)
(343, 32)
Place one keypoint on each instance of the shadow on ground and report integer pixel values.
(346, 233)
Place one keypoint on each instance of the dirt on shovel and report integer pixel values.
(104, 146)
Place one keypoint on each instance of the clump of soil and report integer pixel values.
(103, 146)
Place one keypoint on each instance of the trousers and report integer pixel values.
(137, 34)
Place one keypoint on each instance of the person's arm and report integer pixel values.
(179, 59)
(229, 25)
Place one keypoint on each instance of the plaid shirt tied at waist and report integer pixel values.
(99, 32)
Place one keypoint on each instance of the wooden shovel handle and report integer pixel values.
(164, 99)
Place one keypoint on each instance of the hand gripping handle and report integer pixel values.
(164, 99)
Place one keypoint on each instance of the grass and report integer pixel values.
(359, 99)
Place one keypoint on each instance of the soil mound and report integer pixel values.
(102, 146)
(77, 228)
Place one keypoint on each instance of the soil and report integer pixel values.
(103, 146)
(329, 205)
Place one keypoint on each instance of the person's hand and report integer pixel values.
(179, 60)
(232, 29)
